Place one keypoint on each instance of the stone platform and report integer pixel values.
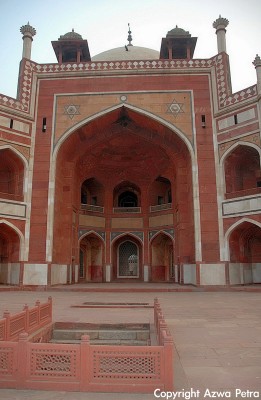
(217, 334)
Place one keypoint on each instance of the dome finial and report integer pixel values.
(129, 36)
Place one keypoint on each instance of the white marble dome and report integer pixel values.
(133, 53)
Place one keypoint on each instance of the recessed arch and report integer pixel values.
(161, 232)
(13, 173)
(19, 234)
(232, 228)
(127, 234)
(162, 256)
(14, 150)
(91, 257)
(179, 153)
(91, 232)
(102, 113)
(246, 184)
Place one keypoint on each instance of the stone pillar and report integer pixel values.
(108, 268)
(220, 24)
(146, 273)
(257, 64)
(28, 32)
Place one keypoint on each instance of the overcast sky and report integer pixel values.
(104, 23)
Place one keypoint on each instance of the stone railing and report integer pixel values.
(89, 368)
(28, 320)
(161, 207)
(91, 208)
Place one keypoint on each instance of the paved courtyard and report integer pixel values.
(217, 337)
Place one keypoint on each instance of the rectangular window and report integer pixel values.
(44, 125)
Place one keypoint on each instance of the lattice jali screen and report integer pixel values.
(143, 365)
(17, 324)
(7, 360)
(33, 319)
(44, 312)
(54, 362)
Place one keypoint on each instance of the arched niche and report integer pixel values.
(12, 173)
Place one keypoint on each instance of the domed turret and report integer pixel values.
(71, 47)
(178, 44)
(71, 36)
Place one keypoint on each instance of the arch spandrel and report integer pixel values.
(172, 108)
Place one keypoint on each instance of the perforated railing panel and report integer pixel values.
(54, 362)
(117, 364)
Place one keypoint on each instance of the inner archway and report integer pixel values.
(162, 257)
(9, 255)
(91, 259)
(245, 253)
(137, 175)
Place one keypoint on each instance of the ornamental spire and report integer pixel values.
(129, 36)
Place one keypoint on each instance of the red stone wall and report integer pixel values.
(67, 195)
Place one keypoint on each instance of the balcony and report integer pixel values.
(91, 208)
(161, 207)
(129, 210)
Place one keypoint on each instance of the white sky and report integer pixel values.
(104, 23)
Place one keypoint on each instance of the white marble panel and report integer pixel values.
(35, 274)
(146, 273)
(247, 273)
(256, 272)
(245, 115)
(108, 273)
(14, 273)
(212, 274)
(226, 122)
(12, 209)
(235, 274)
(189, 274)
(252, 204)
(76, 273)
(4, 121)
(21, 126)
(58, 274)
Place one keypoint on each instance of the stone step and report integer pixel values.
(101, 334)
(104, 342)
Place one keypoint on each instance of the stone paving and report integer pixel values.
(217, 337)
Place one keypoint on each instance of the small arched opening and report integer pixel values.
(126, 197)
(127, 258)
(242, 171)
(245, 254)
(11, 175)
(9, 255)
(162, 258)
(91, 259)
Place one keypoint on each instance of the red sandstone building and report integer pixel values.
(133, 165)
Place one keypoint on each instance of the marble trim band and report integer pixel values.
(28, 68)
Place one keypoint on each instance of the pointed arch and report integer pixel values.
(232, 228)
(162, 256)
(227, 154)
(91, 257)
(138, 110)
(179, 139)
(19, 234)
(161, 232)
(14, 150)
(91, 232)
(131, 234)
